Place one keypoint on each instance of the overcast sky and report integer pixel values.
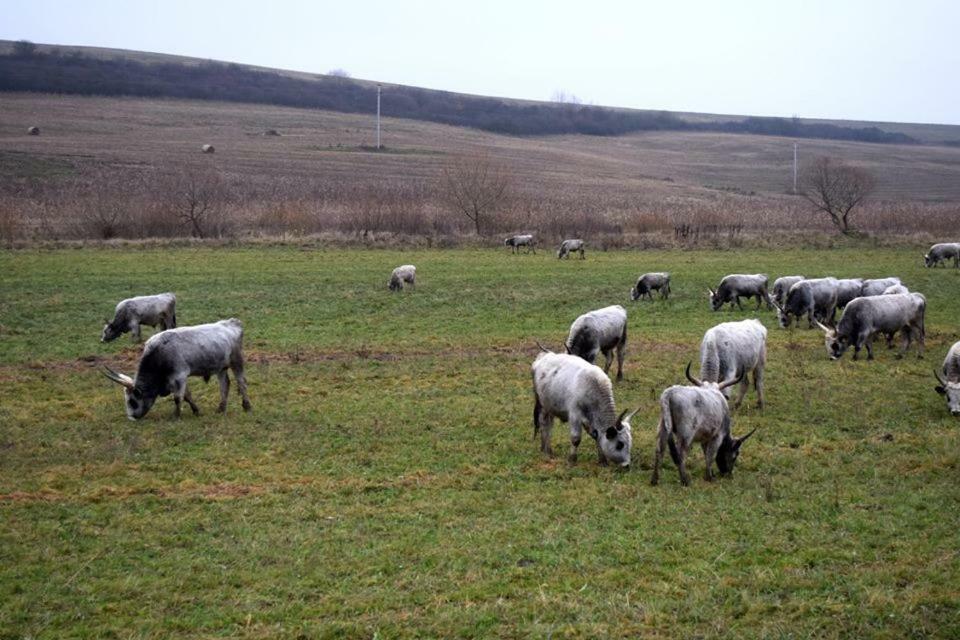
(884, 60)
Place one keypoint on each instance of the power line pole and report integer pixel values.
(378, 122)
(794, 168)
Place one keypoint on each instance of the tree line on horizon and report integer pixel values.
(28, 69)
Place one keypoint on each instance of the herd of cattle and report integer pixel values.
(569, 386)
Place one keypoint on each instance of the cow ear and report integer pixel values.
(611, 433)
(940, 390)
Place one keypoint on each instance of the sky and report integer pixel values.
(881, 60)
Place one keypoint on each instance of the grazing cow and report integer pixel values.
(734, 350)
(949, 379)
(207, 148)
(847, 290)
(895, 289)
(697, 413)
(598, 331)
(815, 298)
(571, 246)
(941, 252)
(404, 273)
(738, 285)
(580, 394)
(159, 310)
(877, 287)
(649, 282)
(171, 356)
(865, 317)
(515, 242)
(781, 286)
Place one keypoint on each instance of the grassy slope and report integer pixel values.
(386, 484)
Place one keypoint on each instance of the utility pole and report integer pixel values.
(794, 168)
(378, 124)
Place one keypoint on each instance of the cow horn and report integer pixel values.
(939, 377)
(740, 441)
(737, 380)
(827, 330)
(542, 348)
(631, 414)
(712, 292)
(699, 383)
(619, 423)
(119, 378)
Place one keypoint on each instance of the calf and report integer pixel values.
(579, 393)
(738, 285)
(815, 298)
(159, 310)
(865, 317)
(735, 349)
(171, 356)
(781, 286)
(895, 289)
(697, 413)
(515, 242)
(571, 246)
(941, 252)
(949, 379)
(649, 282)
(404, 273)
(877, 286)
(598, 331)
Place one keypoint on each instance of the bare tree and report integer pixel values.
(339, 73)
(475, 186)
(198, 195)
(836, 189)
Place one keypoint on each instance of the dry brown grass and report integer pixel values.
(102, 169)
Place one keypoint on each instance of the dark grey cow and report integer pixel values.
(781, 286)
(865, 317)
(170, 357)
(739, 285)
(941, 252)
(949, 379)
(650, 282)
(847, 290)
(571, 246)
(814, 298)
(515, 242)
(697, 413)
(579, 393)
(158, 310)
(599, 331)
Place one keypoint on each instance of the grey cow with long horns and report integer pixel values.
(170, 357)
(697, 413)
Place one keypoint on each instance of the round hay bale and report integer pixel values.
(271, 132)
(207, 148)
(33, 131)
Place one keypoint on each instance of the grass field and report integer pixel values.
(387, 484)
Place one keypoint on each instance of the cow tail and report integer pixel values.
(537, 408)
(666, 417)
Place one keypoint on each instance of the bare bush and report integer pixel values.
(836, 189)
(197, 198)
(475, 186)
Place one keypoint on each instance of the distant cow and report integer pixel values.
(571, 246)
(697, 413)
(515, 242)
(599, 331)
(159, 310)
(207, 148)
(865, 317)
(579, 393)
(738, 285)
(781, 286)
(649, 282)
(170, 357)
(404, 273)
(941, 252)
(949, 379)
(814, 298)
(33, 131)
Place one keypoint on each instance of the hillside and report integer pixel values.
(87, 71)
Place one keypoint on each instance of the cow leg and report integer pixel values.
(546, 428)
(759, 300)
(189, 399)
(758, 385)
(608, 356)
(179, 390)
(224, 390)
(739, 306)
(682, 465)
(868, 343)
(709, 455)
(237, 367)
(583, 255)
(575, 434)
(809, 319)
(135, 331)
(620, 348)
(742, 390)
(889, 337)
